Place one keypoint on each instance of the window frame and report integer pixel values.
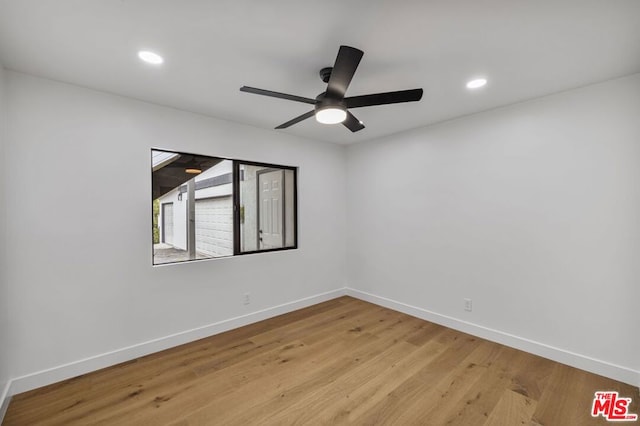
(235, 189)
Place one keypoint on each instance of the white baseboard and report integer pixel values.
(83, 366)
(5, 398)
(603, 368)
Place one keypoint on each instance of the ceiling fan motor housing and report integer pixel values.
(322, 101)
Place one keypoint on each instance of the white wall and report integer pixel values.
(4, 291)
(532, 211)
(81, 280)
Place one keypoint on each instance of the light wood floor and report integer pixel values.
(343, 361)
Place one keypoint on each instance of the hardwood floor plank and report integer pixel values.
(325, 374)
(357, 403)
(360, 358)
(303, 326)
(417, 388)
(484, 394)
(344, 361)
(295, 413)
(512, 409)
(568, 397)
(443, 397)
(532, 377)
(316, 401)
(288, 393)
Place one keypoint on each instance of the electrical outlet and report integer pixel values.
(246, 298)
(468, 306)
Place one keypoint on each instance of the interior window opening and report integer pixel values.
(209, 207)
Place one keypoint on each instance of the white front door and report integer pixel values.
(270, 209)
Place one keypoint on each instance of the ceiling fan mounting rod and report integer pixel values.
(325, 74)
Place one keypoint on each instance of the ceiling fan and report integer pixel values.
(331, 106)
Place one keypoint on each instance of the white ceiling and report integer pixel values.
(525, 48)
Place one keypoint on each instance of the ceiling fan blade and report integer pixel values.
(343, 70)
(352, 123)
(277, 95)
(384, 98)
(296, 120)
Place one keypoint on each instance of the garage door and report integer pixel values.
(167, 223)
(214, 226)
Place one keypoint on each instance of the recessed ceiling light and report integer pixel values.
(150, 57)
(477, 83)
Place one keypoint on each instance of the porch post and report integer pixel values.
(191, 218)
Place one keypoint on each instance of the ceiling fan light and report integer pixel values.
(331, 115)
(193, 171)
